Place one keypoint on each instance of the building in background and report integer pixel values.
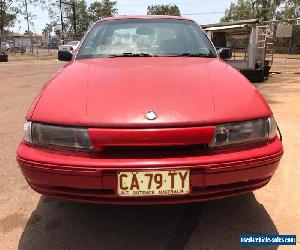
(24, 40)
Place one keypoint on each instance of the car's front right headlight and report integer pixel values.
(50, 135)
(244, 132)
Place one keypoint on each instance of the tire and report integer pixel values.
(254, 76)
(267, 71)
(4, 58)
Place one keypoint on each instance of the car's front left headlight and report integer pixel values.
(244, 132)
(49, 135)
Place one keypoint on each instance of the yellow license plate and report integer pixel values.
(154, 183)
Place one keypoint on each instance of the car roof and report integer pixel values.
(144, 17)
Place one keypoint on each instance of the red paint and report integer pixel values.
(101, 137)
(84, 177)
(183, 91)
(110, 97)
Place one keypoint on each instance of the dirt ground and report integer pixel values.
(29, 221)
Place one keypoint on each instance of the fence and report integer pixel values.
(20, 47)
(286, 45)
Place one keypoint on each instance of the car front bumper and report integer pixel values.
(214, 174)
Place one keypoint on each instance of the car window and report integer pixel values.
(157, 37)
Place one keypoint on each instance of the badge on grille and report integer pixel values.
(151, 115)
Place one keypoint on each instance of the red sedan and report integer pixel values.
(146, 111)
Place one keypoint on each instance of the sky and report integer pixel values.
(215, 8)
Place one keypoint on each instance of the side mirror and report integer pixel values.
(64, 55)
(225, 53)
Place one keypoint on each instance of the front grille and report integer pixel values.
(154, 152)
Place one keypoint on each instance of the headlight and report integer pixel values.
(245, 132)
(27, 132)
(48, 135)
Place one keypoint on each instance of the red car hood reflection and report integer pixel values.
(117, 92)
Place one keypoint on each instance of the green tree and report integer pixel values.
(63, 20)
(162, 9)
(47, 30)
(82, 17)
(105, 8)
(241, 10)
(84, 14)
(8, 15)
(60, 16)
(247, 9)
(266, 9)
(290, 10)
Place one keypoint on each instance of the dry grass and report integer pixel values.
(19, 57)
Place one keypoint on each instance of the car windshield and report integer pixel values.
(146, 37)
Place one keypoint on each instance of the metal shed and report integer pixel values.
(250, 44)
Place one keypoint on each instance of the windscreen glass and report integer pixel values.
(152, 37)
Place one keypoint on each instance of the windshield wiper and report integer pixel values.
(129, 54)
(195, 55)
